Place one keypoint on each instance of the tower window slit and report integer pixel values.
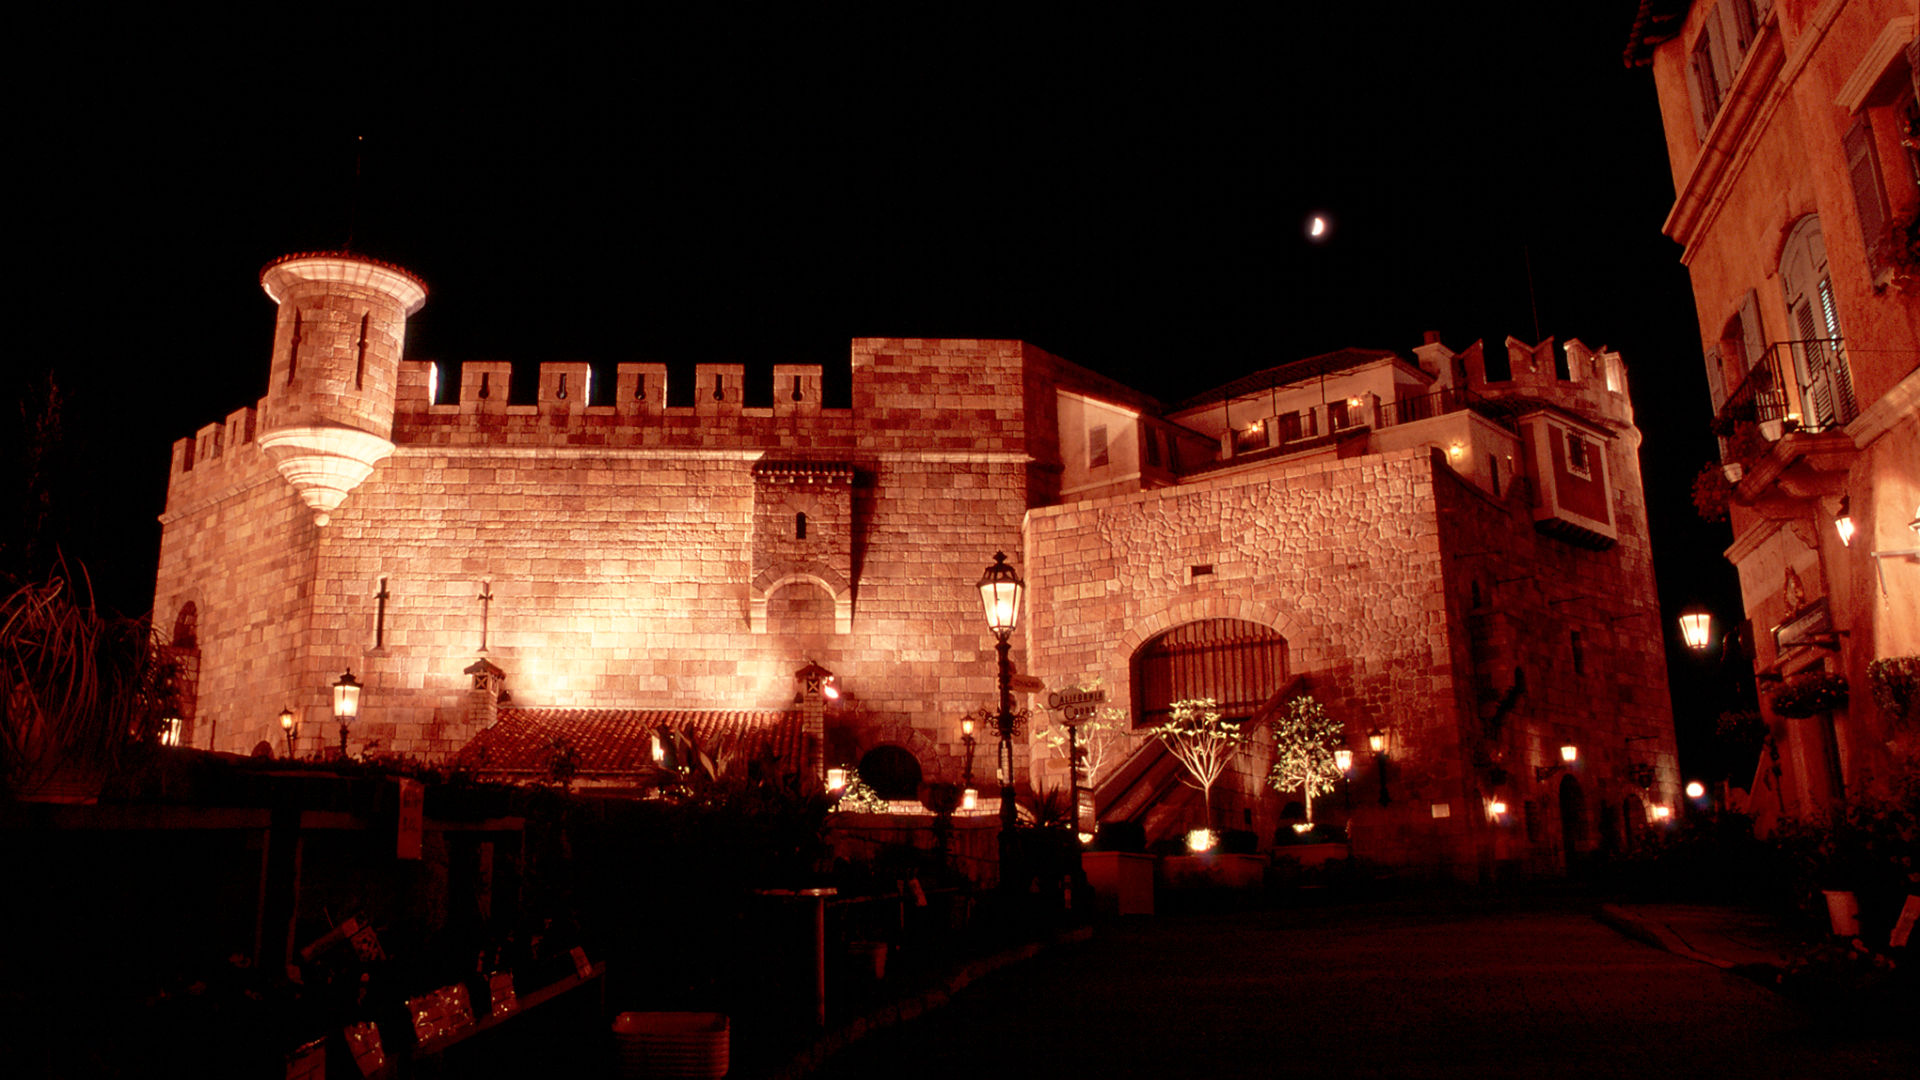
(799, 526)
(293, 347)
(360, 361)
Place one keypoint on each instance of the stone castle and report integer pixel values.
(1450, 550)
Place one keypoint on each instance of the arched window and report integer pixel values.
(186, 627)
(800, 526)
(1239, 664)
(1819, 356)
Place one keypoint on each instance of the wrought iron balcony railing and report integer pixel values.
(1824, 400)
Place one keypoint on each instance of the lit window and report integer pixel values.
(1577, 456)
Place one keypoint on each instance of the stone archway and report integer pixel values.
(891, 771)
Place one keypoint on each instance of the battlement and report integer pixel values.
(909, 395)
(1588, 382)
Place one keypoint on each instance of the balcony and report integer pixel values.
(1761, 406)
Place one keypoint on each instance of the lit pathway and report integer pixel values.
(1519, 990)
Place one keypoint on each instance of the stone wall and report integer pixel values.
(1342, 558)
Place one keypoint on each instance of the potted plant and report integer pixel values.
(1810, 694)
(1895, 683)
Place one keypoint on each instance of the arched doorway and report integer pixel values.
(1239, 664)
(892, 772)
(1573, 822)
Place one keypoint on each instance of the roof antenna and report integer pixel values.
(353, 194)
(1527, 254)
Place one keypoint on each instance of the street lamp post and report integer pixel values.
(288, 724)
(969, 796)
(1000, 592)
(1343, 760)
(1377, 742)
(346, 706)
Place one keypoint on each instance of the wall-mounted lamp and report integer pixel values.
(1696, 628)
(1660, 812)
(346, 705)
(1377, 742)
(1456, 450)
(1496, 809)
(1569, 754)
(289, 725)
(1843, 523)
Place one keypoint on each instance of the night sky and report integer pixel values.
(1128, 190)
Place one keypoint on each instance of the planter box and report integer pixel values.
(1122, 881)
(1311, 855)
(687, 1044)
(1213, 870)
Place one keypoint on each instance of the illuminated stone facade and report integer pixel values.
(1455, 557)
(1794, 134)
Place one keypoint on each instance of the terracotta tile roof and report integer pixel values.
(618, 742)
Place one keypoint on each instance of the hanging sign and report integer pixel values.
(1077, 702)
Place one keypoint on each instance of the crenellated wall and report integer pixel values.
(622, 547)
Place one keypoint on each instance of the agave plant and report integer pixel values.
(81, 690)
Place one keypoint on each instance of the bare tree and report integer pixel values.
(1203, 742)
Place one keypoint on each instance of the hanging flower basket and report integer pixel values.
(1711, 493)
(1807, 695)
(1895, 682)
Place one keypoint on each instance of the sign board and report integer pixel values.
(1078, 703)
(413, 816)
(1027, 684)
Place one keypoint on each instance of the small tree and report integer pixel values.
(1200, 740)
(1105, 741)
(1304, 739)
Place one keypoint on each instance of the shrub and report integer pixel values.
(1895, 683)
(1810, 694)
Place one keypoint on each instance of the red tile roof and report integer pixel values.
(618, 742)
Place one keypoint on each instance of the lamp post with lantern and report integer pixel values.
(289, 725)
(1377, 742)
(1000, 593)
(346, 706)
(969, 795)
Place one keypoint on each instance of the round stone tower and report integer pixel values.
(328, 415)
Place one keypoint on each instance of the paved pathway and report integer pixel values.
(1474, 991)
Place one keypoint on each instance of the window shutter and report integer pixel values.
(1863, 170)
(1755, 337)
(1716, 379)
(1701, 118)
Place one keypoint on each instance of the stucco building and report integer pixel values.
(1449, 548)
(1794, 133)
